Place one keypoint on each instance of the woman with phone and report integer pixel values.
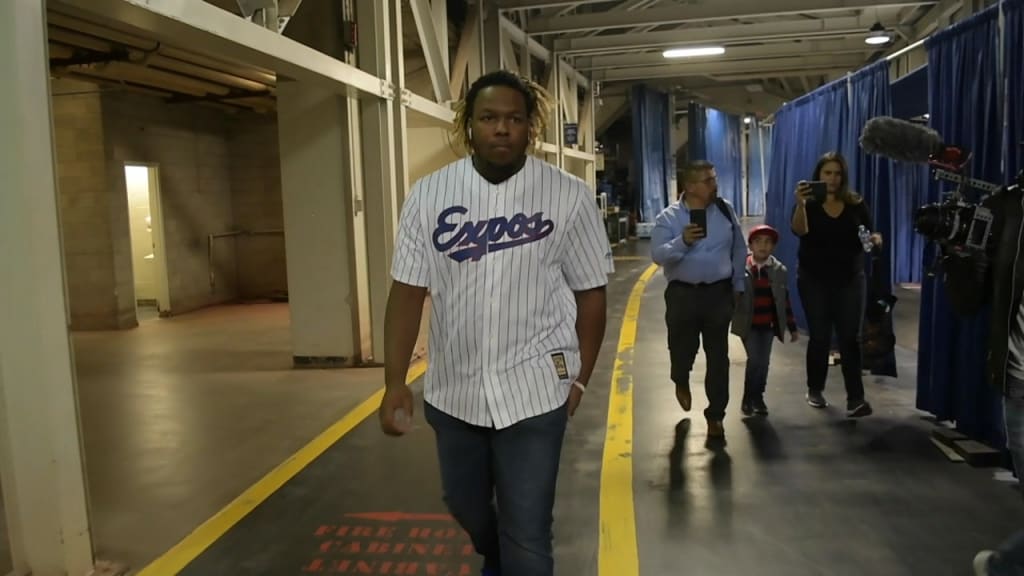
(827, 218)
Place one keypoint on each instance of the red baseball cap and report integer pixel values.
(763, 229)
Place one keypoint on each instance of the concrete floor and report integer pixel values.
(5, 546)
(181, 415)
(803, 491)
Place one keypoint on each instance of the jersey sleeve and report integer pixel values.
(409, 262)
(588, 260)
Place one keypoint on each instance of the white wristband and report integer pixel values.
(579, 385)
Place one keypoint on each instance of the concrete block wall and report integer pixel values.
(189, 145)
(218, 172)
(255, 166)
(85, 206)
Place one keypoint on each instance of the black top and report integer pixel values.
(831, 250)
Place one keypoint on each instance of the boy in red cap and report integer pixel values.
(759, 314)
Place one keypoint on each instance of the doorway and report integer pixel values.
(149, 259)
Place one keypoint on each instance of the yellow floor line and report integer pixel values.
(177, 558)
(617, 550)
(629, 258)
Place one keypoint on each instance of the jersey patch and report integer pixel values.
(561, 369)
(475, 239)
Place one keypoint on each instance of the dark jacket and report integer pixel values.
(971, 285)
(743, 315)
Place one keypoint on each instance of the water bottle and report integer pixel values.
(865, 238)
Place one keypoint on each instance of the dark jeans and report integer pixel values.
(696, 313)
(838, 306)
(1009, 560)
(517, 467)
(759, 352)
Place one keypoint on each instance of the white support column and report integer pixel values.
(555, 124)
(319, 172)
(433, 51)
(439, 12)
(41, 464)
(464, 53)
(745, 160)
(385, 190)
(491, 36)
(587, 134)
(525, 57)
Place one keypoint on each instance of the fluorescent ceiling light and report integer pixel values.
(691, 52)
(877, 35)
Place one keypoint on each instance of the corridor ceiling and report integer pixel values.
(775, 50)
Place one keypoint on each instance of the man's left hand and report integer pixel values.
(575, 396)
(876, 239)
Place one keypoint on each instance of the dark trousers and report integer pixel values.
(759, 352)
(515, 468)
(831, 306)
(696, 313)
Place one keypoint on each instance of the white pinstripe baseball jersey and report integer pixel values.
(501, 262)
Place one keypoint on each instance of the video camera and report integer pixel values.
(958, 225)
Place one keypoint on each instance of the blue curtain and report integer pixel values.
(757, 167)
(1014, 98)
(722, 145)
(910, 94)
(804, 130)
(870, 174)
(652, 151)
(962, 94)
(696, 129)
(909, 182)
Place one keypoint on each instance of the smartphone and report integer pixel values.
(699, 217)
(819, 191)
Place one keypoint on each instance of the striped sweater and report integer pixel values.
(764, 303)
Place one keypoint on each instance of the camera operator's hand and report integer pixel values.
(803, 193)
(692, 233)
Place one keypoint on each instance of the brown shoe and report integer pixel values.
(715, 429)
(684, 398)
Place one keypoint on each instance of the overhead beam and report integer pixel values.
(765, 67)
(537, 49)
(528, 4)
(777, 50)
(706, 12)
(937, 17)
(207, 29)
(724, 35)
(440, 77)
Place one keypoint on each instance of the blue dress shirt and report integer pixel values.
(720, 255)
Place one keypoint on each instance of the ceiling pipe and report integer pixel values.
(104, 58)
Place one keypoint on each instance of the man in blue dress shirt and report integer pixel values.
(705, 267)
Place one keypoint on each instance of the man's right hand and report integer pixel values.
(396, 410)
(692, 233)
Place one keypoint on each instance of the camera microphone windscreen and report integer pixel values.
(899, 139)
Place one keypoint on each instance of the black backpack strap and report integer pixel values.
(720, 202)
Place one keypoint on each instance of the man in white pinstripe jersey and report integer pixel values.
(515, 257)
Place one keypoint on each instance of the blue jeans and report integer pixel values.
(759, 352)
(1009, 559)
(517, 467)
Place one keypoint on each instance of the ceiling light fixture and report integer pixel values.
(877, 35)
(692, 52)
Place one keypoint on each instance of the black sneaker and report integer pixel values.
(816, 399)
(858, 409)
(760, 408)
(747, 407)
